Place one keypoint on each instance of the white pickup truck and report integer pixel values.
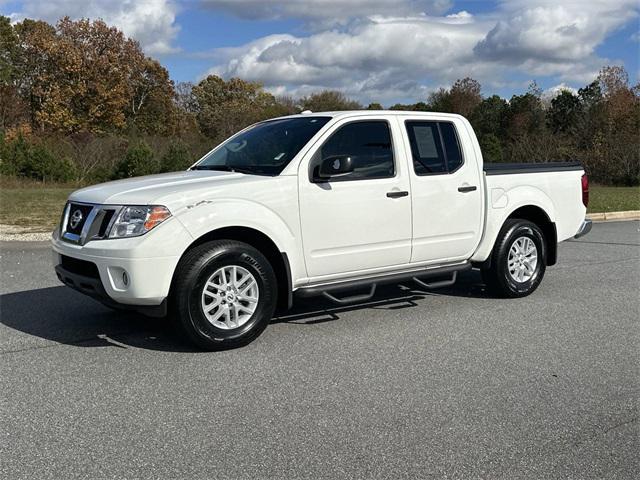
(326, 204)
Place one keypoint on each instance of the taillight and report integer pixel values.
(585, 190)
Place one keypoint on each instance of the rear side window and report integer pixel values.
(434, 147)
(368, 144)
(451, 145)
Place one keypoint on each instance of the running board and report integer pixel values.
(353, 298)
(327, 290)
(439, 284)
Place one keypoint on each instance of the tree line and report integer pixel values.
(81, 102)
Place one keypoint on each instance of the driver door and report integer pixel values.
(360, 221)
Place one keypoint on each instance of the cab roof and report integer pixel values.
(360, 113)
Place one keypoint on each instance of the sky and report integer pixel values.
(385, 51)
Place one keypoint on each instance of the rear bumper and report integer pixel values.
(584, 228)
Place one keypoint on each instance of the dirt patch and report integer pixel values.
(18, 233)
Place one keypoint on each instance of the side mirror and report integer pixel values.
(335, 166)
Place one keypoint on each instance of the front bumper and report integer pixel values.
(135, 272)
(584, 228)
(93, 287)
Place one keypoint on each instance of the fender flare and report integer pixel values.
(516, 198)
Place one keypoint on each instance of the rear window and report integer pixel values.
(434, 147)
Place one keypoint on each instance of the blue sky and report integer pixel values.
(373, 50)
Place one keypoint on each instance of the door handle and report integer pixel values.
(397, 194)
(467, 189)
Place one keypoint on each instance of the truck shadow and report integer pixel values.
(388, 297)
(62, 315)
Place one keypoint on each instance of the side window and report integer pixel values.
(434, 147)
(451, 145)
(426, 148)
(369, 146)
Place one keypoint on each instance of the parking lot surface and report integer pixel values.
(413, 384)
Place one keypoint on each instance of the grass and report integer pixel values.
(613, 199)
(37, 207)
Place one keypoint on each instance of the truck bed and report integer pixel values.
(557, 191)
(511, 168)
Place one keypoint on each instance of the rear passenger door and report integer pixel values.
(446, 195)
(360, 221)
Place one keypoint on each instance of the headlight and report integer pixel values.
(138, 220)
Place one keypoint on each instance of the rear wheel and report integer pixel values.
(224, 294)
(518, 260)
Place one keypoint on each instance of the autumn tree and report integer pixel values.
(525, 115)
(32, 64)
(415, 107)
(329, 101)
(13, 109)
(462, 98)
(440, 101)
(8, 51)
(465, 96)
(284, 105)
(184, 98)
(617, 145)
(224, 107)
(152, 98)
(87, 76)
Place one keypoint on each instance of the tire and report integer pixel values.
(210, 267)
(516, 276)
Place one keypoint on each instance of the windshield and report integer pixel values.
(264, 149)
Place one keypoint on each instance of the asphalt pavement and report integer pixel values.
(413, 384)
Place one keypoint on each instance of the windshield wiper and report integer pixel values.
(221, 168)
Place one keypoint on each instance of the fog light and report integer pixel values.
(119, 278)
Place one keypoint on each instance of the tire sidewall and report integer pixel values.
(197, 323)
(529, 230)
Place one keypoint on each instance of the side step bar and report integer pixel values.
(353, 298)
(439, 284)
(327, 290)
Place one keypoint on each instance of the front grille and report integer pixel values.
(78, 215)
(79, 267)
(106, 219)
(75, 228)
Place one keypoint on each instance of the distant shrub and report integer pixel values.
(176, 158)
(21, 158)
(139, 160)
(491, 148)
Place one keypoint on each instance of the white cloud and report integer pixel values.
(394, 54)
(379, 55)
(150, 22)
(553, 31)
(552, 92)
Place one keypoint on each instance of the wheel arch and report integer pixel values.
(265, 245)
(537, 215)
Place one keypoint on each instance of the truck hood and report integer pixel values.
(173, 190)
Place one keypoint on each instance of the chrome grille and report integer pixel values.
(83, 222)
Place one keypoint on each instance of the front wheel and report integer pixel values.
(518, 260)
(224, 294)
